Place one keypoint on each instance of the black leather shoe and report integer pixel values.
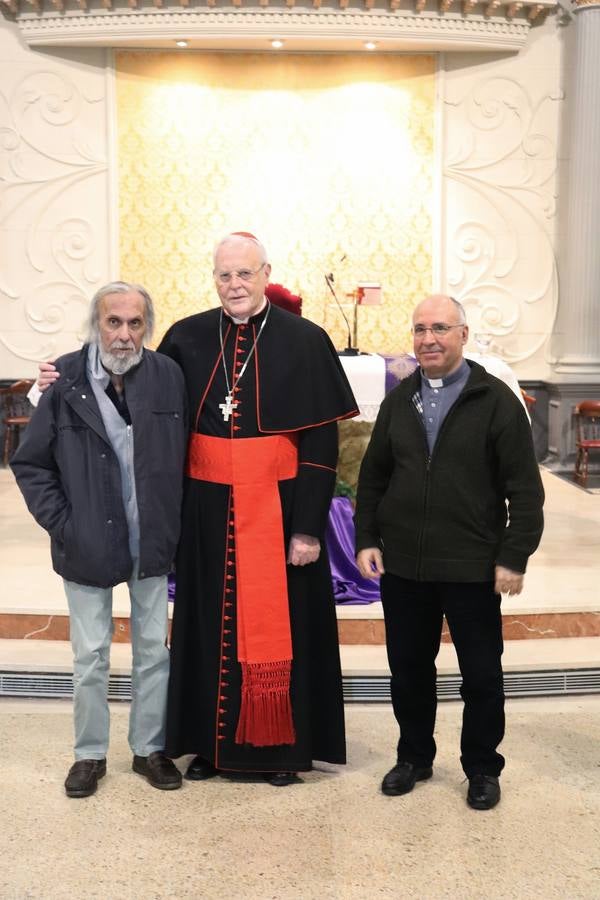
(160, 771)
(83, 776)
(403, 777)
(200, 769)
(282, 779)
(484, 791)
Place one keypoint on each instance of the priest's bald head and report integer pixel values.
(241, 272)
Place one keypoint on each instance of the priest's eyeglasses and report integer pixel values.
(440, 329)
(242, 274)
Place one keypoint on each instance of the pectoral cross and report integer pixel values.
(228, 407)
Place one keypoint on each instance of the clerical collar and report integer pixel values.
(447, 379)
(247, 319)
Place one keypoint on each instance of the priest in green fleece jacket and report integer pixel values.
(449, 509)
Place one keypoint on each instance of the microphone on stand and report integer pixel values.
(349, 350)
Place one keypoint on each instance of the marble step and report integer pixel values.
(360, 624)
(536, 667)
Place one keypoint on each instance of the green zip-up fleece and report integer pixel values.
(444, 517)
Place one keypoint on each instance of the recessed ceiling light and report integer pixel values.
(181, 43)
(277, 44)
(370, 45)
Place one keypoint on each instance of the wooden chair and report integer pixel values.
(13, 397)
(587, 424)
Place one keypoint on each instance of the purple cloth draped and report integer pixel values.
(349, 586)
(398, 367)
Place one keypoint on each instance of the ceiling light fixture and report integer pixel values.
(276, 44)
(370, 45)
(181, 43)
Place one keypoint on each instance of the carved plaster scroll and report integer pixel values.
(500, 172)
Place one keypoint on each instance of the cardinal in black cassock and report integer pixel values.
(255, 681)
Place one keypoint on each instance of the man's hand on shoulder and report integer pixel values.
(304, 549)
(47, 375)
(507, 581)
(370, 562)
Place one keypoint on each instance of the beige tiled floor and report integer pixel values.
(335, 837)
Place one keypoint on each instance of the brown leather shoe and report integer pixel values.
(161, 772)
(83, 776)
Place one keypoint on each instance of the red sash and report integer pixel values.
(253, 466)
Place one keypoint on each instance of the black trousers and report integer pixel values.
(414, 612)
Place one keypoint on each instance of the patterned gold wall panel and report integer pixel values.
(322, 157)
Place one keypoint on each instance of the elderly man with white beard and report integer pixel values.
(100, 468)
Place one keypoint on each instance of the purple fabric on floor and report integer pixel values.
(398, 367)
(349, 586)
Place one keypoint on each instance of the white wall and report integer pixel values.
(499, 127)
(54, 197)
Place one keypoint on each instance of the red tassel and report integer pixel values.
(266, 710)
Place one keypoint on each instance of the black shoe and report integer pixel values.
(403, 777)
(83, 776)
(282, 779)
(200, 769)
(484, 791)
(160, 771)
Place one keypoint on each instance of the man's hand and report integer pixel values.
(304, 549)
(370, 562)
(508, 582)
(47, 375)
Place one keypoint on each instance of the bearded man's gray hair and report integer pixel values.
(111, 361)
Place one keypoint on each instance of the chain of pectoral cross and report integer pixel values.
(228, 406)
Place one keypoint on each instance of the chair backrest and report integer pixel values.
(14, 395)
(587, 416)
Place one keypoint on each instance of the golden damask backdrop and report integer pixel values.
(327, 159)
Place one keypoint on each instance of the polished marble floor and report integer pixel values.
(563, 575)
(335, 837)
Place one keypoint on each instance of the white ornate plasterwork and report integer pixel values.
(499, 188)
(53, 208)
(503, 27)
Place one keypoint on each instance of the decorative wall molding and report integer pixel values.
(500, 201)
(490, 25)
(53, 208)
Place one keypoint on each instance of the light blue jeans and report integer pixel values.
(90, 610)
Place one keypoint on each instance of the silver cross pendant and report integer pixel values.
(228, 407)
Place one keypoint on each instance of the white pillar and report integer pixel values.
(579, 322)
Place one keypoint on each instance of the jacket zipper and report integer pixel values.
(428, 460)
